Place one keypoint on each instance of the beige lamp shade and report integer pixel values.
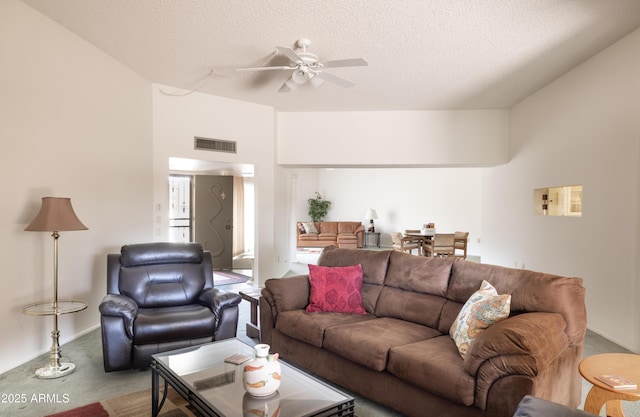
(56, 214)
(371, 214)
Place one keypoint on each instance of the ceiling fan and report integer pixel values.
(306, 67)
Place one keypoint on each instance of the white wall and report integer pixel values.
(582, 129)
(177, 119)
(73, 123)
(404, 198)
(400, 138)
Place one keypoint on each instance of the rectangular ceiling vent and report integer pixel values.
(216, 145)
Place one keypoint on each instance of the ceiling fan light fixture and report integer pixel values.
(306, 67)
(300, 76)
(316, 81)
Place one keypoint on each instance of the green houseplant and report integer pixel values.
(318, 208)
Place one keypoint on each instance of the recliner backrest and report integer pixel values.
(163, 274)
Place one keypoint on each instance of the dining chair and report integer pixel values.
(460, 244)
(401, 244)
(428, 249)
(443, 244)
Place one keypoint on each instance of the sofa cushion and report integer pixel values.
(374, 263)
(328, 228)
(419, 274)
(310, 227)
(368, 342)
(484, 308)
(348, 227)
(335, 289)
(185, 322)
(158, 253)
(332, 237)
(411, 306)
(162, 285)
(310, 327)
(374, 267)
(435, 366)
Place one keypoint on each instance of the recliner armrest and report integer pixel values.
(217, 299)
(120, 306)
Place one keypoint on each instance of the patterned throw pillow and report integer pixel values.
(309, 227)
(484, 308)
(301, 229)
(336, 289)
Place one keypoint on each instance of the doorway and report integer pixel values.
(238, 221)
(213, 217)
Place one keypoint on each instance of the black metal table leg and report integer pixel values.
(156, 404)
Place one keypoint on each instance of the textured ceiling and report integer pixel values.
(422, 54)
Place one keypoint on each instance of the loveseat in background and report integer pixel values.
(400, 353)
(322, 234)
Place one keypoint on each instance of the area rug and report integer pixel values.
(228, 277)
(137, 404)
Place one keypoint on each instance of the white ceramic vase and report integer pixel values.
(261, 375)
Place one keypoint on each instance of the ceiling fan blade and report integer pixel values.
(335, 79)
(289, 53)
(282, 67)
(353, 62)
(285, 86)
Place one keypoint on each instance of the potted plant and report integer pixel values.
(318, 208)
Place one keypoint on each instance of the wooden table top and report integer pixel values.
(626, 365)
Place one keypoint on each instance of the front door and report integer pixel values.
(213, 217)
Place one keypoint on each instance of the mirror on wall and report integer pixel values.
(558, 201)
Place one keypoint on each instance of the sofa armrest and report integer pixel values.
(118, 305)
(359, 232)
(291, 293)
(524, 344)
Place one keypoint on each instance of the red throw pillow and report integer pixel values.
(336, 289)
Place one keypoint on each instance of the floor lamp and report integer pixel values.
(55, 215)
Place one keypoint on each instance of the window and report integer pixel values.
(179, 208)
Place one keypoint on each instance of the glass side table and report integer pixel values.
(49, 308)
(376, 237)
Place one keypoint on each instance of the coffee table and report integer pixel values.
(214, 387)
(626, 365)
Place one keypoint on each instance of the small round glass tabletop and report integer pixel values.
(47, 308)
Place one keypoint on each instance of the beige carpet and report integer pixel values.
(137, 404)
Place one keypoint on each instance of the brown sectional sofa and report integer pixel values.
(400, 353)
(342, 234)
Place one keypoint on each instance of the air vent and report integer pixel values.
(215, 145)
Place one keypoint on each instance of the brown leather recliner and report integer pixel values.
(160, 297)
